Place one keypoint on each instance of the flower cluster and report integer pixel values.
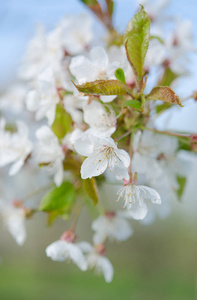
(91, 113)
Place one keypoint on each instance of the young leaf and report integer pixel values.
(133, 104)
(182, 183)
(168, 77)
(91, 189)
(136, 41)
(162, 107)
(165, 94)
(120, 75)
(60, 198)
(63, 122)
(103, 87)
(156, 37)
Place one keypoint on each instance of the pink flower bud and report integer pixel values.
(68, 236)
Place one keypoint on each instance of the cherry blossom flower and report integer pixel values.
(13, 99)
(69, 140)
(76, 33)
(157, 153)
(50, 153)
(14, 147)
(119, 54)
(112, 225)
(65, 249)
(94, 68)
(102, 153)
(102, 123)
(14, 219)
(44, 100)
(43, 51)
(181, 40)
(96, 260)
(135, 196)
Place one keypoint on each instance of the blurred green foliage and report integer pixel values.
(157, 263)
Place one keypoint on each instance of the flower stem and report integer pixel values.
(77, 212)
(123, 135)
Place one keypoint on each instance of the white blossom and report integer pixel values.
(44, 99)
(76, 33)
(158, 153)
(49, 152)
(14, 147)
(102, 153)
(74, 106)
(101, 122)
(111, 225)
(14, 219)
(135, 196)
(96, 67)
(119, 54)
(13, 99)
(181, 40)
(69, 140)
(62, 250)
(96, 260)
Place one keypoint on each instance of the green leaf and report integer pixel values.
(182, 182)
(59, 199)
(156, 37)
(168, 77)
(133, 104)
(136, 41)
(103, 87)
(165, 94)
(63, 122)
(91, 189)
(120, 75)
(162, 107)
(89, 2)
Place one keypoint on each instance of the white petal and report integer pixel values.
(99, 57)
(32, 101)
(124, 157)
(84, 145)
(59, 174)
(82, 68)
(150, 194)
(107, 269)
(93, 166)
(120, 171)
(50, 114)
(58, 250)
(44, 134)
(16, 167)
(136, 212)
(16, 225)
(85, 247)
(77, 256)
(122, 229)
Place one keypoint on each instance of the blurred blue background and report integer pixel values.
(159, 262)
